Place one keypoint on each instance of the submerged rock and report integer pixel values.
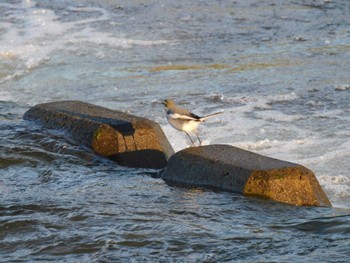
(131, 141)
(232, 169)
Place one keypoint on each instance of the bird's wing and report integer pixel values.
(195, 116)
(184, 116)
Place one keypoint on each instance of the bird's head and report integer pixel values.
(168, 103)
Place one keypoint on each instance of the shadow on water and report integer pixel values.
(333, 225)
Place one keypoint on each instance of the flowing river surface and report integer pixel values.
(280, 70)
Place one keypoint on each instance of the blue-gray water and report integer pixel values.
(279, 70)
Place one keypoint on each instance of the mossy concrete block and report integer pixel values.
(131, 141)
(232, 169)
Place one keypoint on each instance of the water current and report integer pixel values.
(280, 71)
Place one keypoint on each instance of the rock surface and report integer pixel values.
(232, 169)
(131, 141)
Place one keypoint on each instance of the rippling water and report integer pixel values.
(279, 70)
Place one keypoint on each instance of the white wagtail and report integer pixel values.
(183, 120)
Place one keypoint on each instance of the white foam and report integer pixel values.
(103, 15)
(328, 113)
(278, 116)
(248, 104)
(32, 35)
(28, 37)
(5, 96)
(338, 188)
(89, 35)
(342, 87)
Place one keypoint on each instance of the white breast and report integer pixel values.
(183, 125)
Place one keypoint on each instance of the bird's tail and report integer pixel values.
(210, 115)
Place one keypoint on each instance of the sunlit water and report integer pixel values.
(279, 70)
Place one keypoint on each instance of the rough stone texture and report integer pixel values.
(130, 140)
(232, 169)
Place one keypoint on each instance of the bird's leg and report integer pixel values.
(199, 140)
(190, 138)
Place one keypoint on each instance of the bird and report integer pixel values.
(183, 120)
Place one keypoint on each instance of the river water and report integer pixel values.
(280, 71)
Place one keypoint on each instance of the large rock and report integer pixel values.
(131, 141)
(232, 169)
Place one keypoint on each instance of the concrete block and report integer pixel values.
(131, 141)
(232, 169)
